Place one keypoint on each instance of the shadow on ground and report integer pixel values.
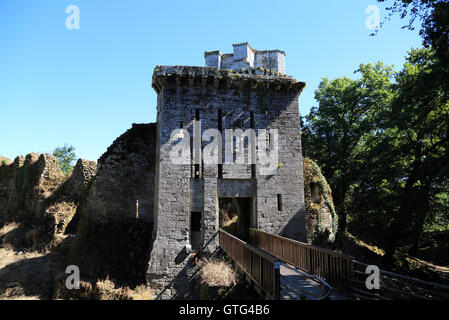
(32, 276)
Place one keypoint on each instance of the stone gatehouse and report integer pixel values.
(246, 90)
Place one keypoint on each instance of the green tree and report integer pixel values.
(384, 147)
(421, 108)
(66, 156)
(434, 17)
(420, 116)
(334, 132)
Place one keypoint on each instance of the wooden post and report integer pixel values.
(277, 281)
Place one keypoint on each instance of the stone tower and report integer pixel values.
(244, 90)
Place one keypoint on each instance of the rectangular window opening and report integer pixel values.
(197, 114)
(220, 171)
(220, 128)
(195, 222)
(252, 119)
(220, 120)
(279, 202)
(197, 171)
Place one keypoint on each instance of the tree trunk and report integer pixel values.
(342, 217)
(424, 210)
(398, 221)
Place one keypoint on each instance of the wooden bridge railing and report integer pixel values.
(257, 265)
(342, 271)
(334, 267)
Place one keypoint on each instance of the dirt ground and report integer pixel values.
(27, 274)
(30, 275)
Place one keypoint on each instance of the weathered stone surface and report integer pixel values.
(67, 202)
(35, 193)
(4, 161)
(125, 174)
(244, 56)
(112, 237)
(260, 98)
(26, 185)
(73, 189)
(321, 218)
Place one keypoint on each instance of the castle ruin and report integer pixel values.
(244, 90)
(140, 217)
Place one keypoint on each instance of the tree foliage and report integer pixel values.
(335, 131)
(434, 17)
(66, 156)
(383, 143)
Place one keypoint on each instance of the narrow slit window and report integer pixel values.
(197, 165)
(252, 119)
(191, 148)
(197, 114)
(220, 120)
(279, 202)
(253, 165)
(197, 171)
(181, 125)
(253, 171)
(220, 171)
(220, 128)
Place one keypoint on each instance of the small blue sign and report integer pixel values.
(277, 265)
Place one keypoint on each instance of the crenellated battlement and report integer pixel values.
(244, 56)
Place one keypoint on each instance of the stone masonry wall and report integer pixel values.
(35, 193)
(113, 237)
(244, 57)
(181, 92)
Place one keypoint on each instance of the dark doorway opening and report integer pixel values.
(195, 229)
(235, 216)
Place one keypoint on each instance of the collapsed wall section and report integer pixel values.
(113, 237)
(36, 194)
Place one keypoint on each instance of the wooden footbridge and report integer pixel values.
(282, 268)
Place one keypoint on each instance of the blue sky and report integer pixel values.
(86, 87)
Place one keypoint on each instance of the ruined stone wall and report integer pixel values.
(70, 195)
(125, 175)
(321, 218)
(113, 238)
(26, 184)
(4, 161)
(35, 193)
